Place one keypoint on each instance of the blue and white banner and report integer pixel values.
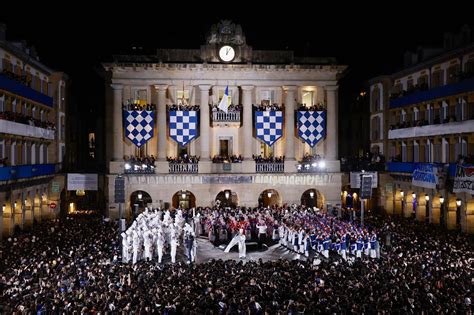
(425, 175)
(311, 126)
(183, 126)
(269, 126)
(138, 125)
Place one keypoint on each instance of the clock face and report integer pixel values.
(226, 53)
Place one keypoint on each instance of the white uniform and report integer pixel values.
(160, 243)
(125, 257)
(242, 246)
(148, 243)
(173, 243)
(136, 246)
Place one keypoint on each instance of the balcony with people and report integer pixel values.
(463, 82)
(182, 107)
(219, 117)
(311, 164)
(139, 165)
(184, 164)
(26, 125)
(269, 164)
(23, 86)
(374, 162)
(439, 118)
(227, 164)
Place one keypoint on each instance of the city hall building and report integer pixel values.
(222, 123)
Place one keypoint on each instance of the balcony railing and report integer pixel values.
(17, 88)
(434, 93)
(275, 167)
(220, 116)
(19, 129)
(183, 168)
(26, 171)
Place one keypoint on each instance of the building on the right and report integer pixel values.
(422, 121)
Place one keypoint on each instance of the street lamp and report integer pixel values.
(269, 194)
(311, 194)
(402, 194)
(413, 194)
(427, 213)
(183, 195)
(140, 196)
(442, 216)
(458, 212)
(227, 194)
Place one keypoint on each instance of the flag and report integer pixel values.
(224, 104)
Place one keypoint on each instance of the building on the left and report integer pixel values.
(32, 137)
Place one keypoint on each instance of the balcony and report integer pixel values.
(270, 167)
(26, 171)
(19, 129)
(465, 126)
(183, 168)
(17, 88)
(434, 93)
(222, 118)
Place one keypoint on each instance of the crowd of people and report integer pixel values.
(183, 159)
(75, 265)
(227, 159)
(368, 162)
(27, 120)
(183, 107)
(137, 106)
(300, 229)
(308, 158)
(268, 107)
(231, 108)
(270, 159)
(315, 107)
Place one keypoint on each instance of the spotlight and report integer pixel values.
(322, 164)
(127, 166)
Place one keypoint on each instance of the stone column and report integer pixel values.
(161, 121)
(289, 122)
(331, 124)
(290, 161)
(117, 132)
(204, 122)
(247, 128)
(205, 161)
(246, 141)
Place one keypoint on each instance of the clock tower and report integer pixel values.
(225, 43)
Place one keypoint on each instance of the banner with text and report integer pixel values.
(464, 179)
(425, 175)
(81, 181)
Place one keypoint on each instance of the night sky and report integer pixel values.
(77, 44)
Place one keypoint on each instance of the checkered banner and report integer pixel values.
(269, 126)
(311, 126)
(183, 126)
(138, 125)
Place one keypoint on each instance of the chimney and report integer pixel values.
(3, 32)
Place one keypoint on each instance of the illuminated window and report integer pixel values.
(182, 97)
(308, 98)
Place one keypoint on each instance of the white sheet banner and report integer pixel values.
(81, 181)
